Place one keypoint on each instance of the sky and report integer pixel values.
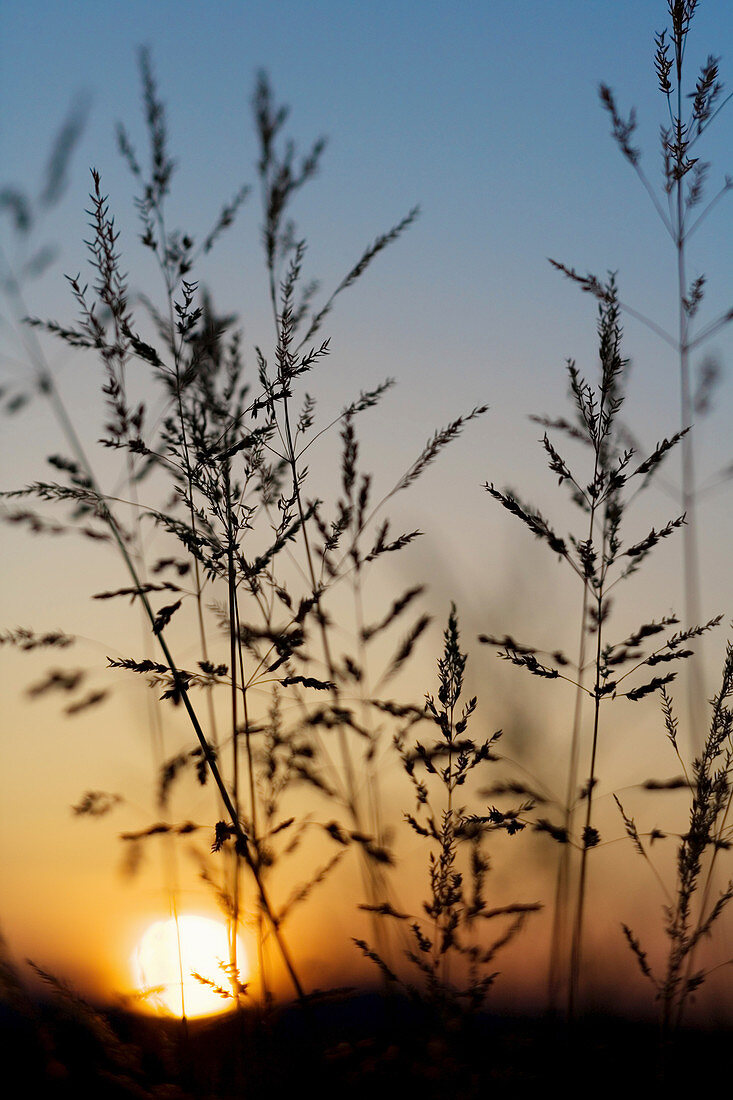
(488, 117)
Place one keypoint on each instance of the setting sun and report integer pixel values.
(168, 956)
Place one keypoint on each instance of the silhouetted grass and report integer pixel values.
(258, 559)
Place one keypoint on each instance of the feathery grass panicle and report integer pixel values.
(231, 449)
(447, 949)
(691, 911)
(681, 207)
(600, 560)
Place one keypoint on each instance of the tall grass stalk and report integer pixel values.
(32, 260)
(232, 452)
(601, 561)
(682, 209)
(679, 209)
(690, 912)
(111, 292)
(445, 947)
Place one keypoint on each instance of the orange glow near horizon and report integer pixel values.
(170, 953)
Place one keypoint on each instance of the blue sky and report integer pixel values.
(485, 114)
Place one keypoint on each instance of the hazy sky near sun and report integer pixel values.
(485, 114)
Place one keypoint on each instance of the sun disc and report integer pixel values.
(168, 955)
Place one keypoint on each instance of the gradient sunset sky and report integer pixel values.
(488, 116)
